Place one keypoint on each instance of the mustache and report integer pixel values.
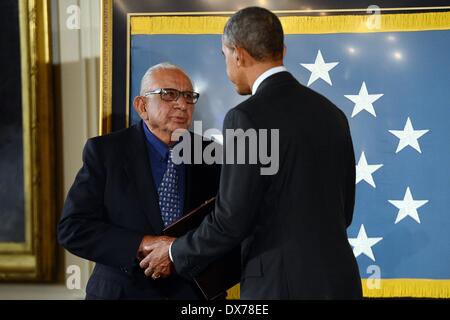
(179, 114)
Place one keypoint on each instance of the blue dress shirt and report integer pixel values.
(158, 153)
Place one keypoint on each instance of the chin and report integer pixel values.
(243, 91)
(177, 126)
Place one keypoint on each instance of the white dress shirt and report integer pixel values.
(265, 75)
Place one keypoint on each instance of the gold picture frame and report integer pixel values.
(34, 259)
(105, 112)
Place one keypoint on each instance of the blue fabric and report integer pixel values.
(158, 153)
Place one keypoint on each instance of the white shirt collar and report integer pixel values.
(265, 75)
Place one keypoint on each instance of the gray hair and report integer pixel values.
(258, 31)
(147, 78)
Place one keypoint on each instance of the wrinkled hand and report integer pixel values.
(157, 262)
(146, 241)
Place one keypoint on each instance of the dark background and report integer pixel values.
(12, 225)
(122, 7)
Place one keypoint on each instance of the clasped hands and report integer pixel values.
(153, 254)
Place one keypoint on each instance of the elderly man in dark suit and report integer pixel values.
(129, 188)
(291, 224)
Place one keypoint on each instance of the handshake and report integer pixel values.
(153, 254)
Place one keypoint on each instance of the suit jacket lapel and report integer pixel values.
(139, 171)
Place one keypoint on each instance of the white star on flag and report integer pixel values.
(408, 207)
(319, 69)
(364, 171)
(364, 101)
(363, 244)
(408, 136)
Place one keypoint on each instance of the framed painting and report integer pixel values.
(376, 52)
(27, 231)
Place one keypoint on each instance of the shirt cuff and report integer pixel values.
(170, 252)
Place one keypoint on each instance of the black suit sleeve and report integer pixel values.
(234, 214)
(83, 229)
(351, 177)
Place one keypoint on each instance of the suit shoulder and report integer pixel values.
(239, 117)
(112, 138)
(111, 146)
(323, 104)
(242, 109)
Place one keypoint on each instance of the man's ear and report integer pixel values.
(284, 51)
(239, 55)
(139, 105)
(243, 58)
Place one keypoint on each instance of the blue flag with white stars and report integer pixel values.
(394, 88)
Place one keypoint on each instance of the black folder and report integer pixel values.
(221, 274)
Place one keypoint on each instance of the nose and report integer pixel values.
(181, 103)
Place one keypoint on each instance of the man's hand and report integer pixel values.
(157, 262)
(146, 241)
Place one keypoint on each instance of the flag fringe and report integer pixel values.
(367, 23)
(391, 288)
(234, 293)
(402, 288)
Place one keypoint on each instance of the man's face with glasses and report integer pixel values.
(168, 104)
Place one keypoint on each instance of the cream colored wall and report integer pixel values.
(76, 59)
(79, 60)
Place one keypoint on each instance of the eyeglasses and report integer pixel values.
(169, 94)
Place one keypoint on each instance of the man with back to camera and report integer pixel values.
(292, 225)
(129, 188)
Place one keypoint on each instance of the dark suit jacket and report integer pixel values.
(113, 204)
(292, 225)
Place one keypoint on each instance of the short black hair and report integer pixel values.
(258, 31)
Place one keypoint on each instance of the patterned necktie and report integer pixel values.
(169, 199)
